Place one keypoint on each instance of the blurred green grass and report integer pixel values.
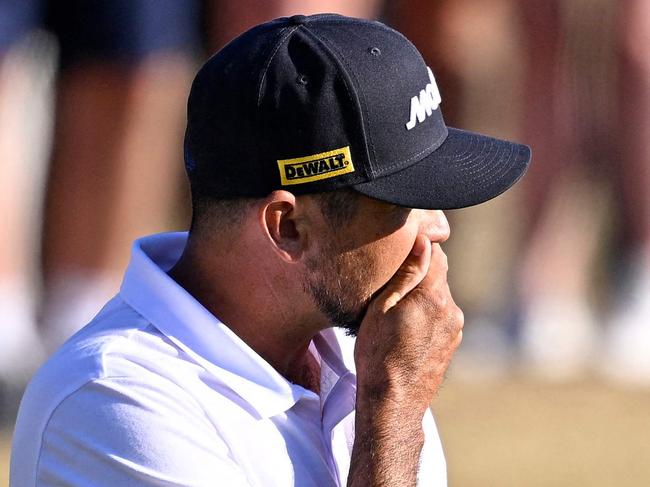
(525, 433)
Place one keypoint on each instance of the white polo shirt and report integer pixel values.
(156, 391)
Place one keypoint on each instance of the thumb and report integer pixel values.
(412, 271)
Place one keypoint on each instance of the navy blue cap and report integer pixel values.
(321, 102)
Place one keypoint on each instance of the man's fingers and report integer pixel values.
(408, 276)
(437, 272)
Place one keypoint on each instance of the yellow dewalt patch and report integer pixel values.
(316, 167)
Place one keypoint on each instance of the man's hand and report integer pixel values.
(404, 346)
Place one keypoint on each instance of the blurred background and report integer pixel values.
(552, 383)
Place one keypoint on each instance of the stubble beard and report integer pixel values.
(336, 285)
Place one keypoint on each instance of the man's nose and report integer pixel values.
(436, 226)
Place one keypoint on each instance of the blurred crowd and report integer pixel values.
(554, 277)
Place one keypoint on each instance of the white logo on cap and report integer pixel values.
(424, 105)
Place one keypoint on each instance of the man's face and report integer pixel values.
(355, 262)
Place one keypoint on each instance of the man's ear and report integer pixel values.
(283, 225)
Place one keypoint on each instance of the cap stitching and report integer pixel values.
(403, 37)
(497, 172)
(270, 60)
(496, 175)
(472, 164)
(366, 136)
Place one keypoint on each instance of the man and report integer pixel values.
(319, 162)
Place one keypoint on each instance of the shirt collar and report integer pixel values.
(190, 326)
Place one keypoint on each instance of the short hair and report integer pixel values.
(220, 214)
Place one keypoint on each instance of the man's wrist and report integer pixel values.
(389, 417)
(391, 398)
(388, 443)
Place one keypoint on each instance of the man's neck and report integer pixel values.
(248, 304)
(307, 375)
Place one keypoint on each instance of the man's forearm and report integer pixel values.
(387, 446)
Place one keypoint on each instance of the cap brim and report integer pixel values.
(467, 169)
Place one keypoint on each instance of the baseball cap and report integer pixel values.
(322, 102)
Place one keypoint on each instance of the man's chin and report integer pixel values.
(352, 322)
(351, 329)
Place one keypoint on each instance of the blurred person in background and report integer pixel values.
(629, 333)
(226, 19)
(124, 69)
(587, 98)
(20, 348)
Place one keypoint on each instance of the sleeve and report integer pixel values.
(433, 467)
(119, 432)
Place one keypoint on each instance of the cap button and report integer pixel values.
(298, 19)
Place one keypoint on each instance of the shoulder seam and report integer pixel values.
(47, 423)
